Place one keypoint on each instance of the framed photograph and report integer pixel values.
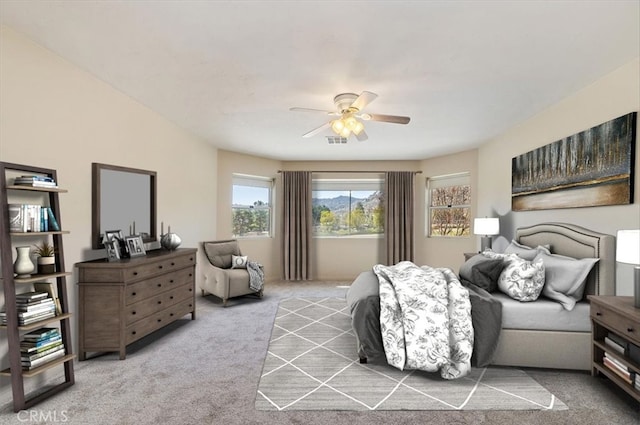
(113, 250)
(135, 246)
(110, 235)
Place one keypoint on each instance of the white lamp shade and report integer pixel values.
(628, 246)
(486, 226)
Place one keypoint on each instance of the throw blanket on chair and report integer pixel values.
(256, 276)
(425, 319)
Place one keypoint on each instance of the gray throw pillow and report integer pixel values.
(486, 274)
(565, 277)
(526, 252)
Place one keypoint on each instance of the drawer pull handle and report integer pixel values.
(171, 281)
(190, 274)
(133, 333)
(160, 266)
(159, 302)
(629, 329)
(133, 294)
(171, 297)
(135, 273)
(190, 305)
(173, 264)
(190, 289)
(598, 313)
(133, 312)
(159, 285)
(171, 314)
(159, 320)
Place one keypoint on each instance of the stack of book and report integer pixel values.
(31, 218)
(626, 349)
(35, 181)
(32, 307)
(40, 346)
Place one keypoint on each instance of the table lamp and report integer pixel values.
(486, 227)
(628, 252)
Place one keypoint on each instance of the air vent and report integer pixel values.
(336, 140)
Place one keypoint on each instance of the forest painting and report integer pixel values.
(592, 168)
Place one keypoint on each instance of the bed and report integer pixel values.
(534, 334)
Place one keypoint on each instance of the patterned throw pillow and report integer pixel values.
(522, 280)
(238, 262)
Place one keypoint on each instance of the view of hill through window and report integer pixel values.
(347, 212)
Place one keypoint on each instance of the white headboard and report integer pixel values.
(577, 242)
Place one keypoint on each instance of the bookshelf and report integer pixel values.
(614, 316)
(12, 286)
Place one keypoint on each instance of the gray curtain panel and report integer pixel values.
(296, 187)
(398, 228)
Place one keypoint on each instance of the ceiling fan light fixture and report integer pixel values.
(345, 132)
(337, 125)
(357, 128)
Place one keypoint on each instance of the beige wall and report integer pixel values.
(54, 115)
(616, 94)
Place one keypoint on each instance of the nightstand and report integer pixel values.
(618, 316)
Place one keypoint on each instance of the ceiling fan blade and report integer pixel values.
(363, 100)
(362, 136)
(317, 130)
(386, 118)
(313, 110)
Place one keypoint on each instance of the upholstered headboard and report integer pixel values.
(577, 242)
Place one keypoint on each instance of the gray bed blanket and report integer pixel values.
(363, 299)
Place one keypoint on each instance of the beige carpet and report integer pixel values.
(312, 364)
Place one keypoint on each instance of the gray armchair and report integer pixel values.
(219, 278)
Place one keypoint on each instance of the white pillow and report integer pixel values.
(565, 277)
(238, 262)
(522, 280)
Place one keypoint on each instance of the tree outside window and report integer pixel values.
(449, 206)
(251, 206)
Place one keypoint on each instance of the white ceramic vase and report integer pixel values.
(23, 266)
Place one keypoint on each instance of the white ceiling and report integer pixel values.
(464, 71)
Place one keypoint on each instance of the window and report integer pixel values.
(449, 205)
(347, 208)
(251, 206)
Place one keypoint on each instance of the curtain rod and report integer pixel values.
(352, 171)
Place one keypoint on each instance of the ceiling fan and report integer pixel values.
(349, 108)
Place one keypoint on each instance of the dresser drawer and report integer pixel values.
(149, 269)
(140, 291)
(141, 310)
(617, 322)
(158, 320)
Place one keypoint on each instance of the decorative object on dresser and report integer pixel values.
(486, 227)
(123, 301)
(628, 251)
(616, 341)
(169, 241)
(36, 317)
(135, 246)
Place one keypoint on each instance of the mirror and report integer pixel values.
(122, 199)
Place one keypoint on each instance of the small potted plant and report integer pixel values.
(46, 258)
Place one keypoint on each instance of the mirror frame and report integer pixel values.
(96, 168)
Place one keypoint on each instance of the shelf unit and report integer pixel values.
(617, 315)
(13, 285)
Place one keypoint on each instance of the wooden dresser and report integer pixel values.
(123, 301)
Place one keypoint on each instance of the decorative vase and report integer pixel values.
(46, 265)
(23, 265)
(170, 241)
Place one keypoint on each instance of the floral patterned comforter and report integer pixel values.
(425, 319)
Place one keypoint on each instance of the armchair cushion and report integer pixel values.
(220, 253)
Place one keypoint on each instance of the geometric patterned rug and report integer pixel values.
(311, 364)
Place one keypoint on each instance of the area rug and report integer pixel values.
(312, 364)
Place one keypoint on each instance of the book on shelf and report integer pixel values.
(29, 351)
(35, 181)
(29, 346)
(41, 334)
(623, 368)
(38, 306)
(615, 369)
(25, 218)
(615, 345)
(31, 296)
(40, 354)
(28, 365)
(49, 288)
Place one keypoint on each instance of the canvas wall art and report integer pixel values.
(592, 168)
